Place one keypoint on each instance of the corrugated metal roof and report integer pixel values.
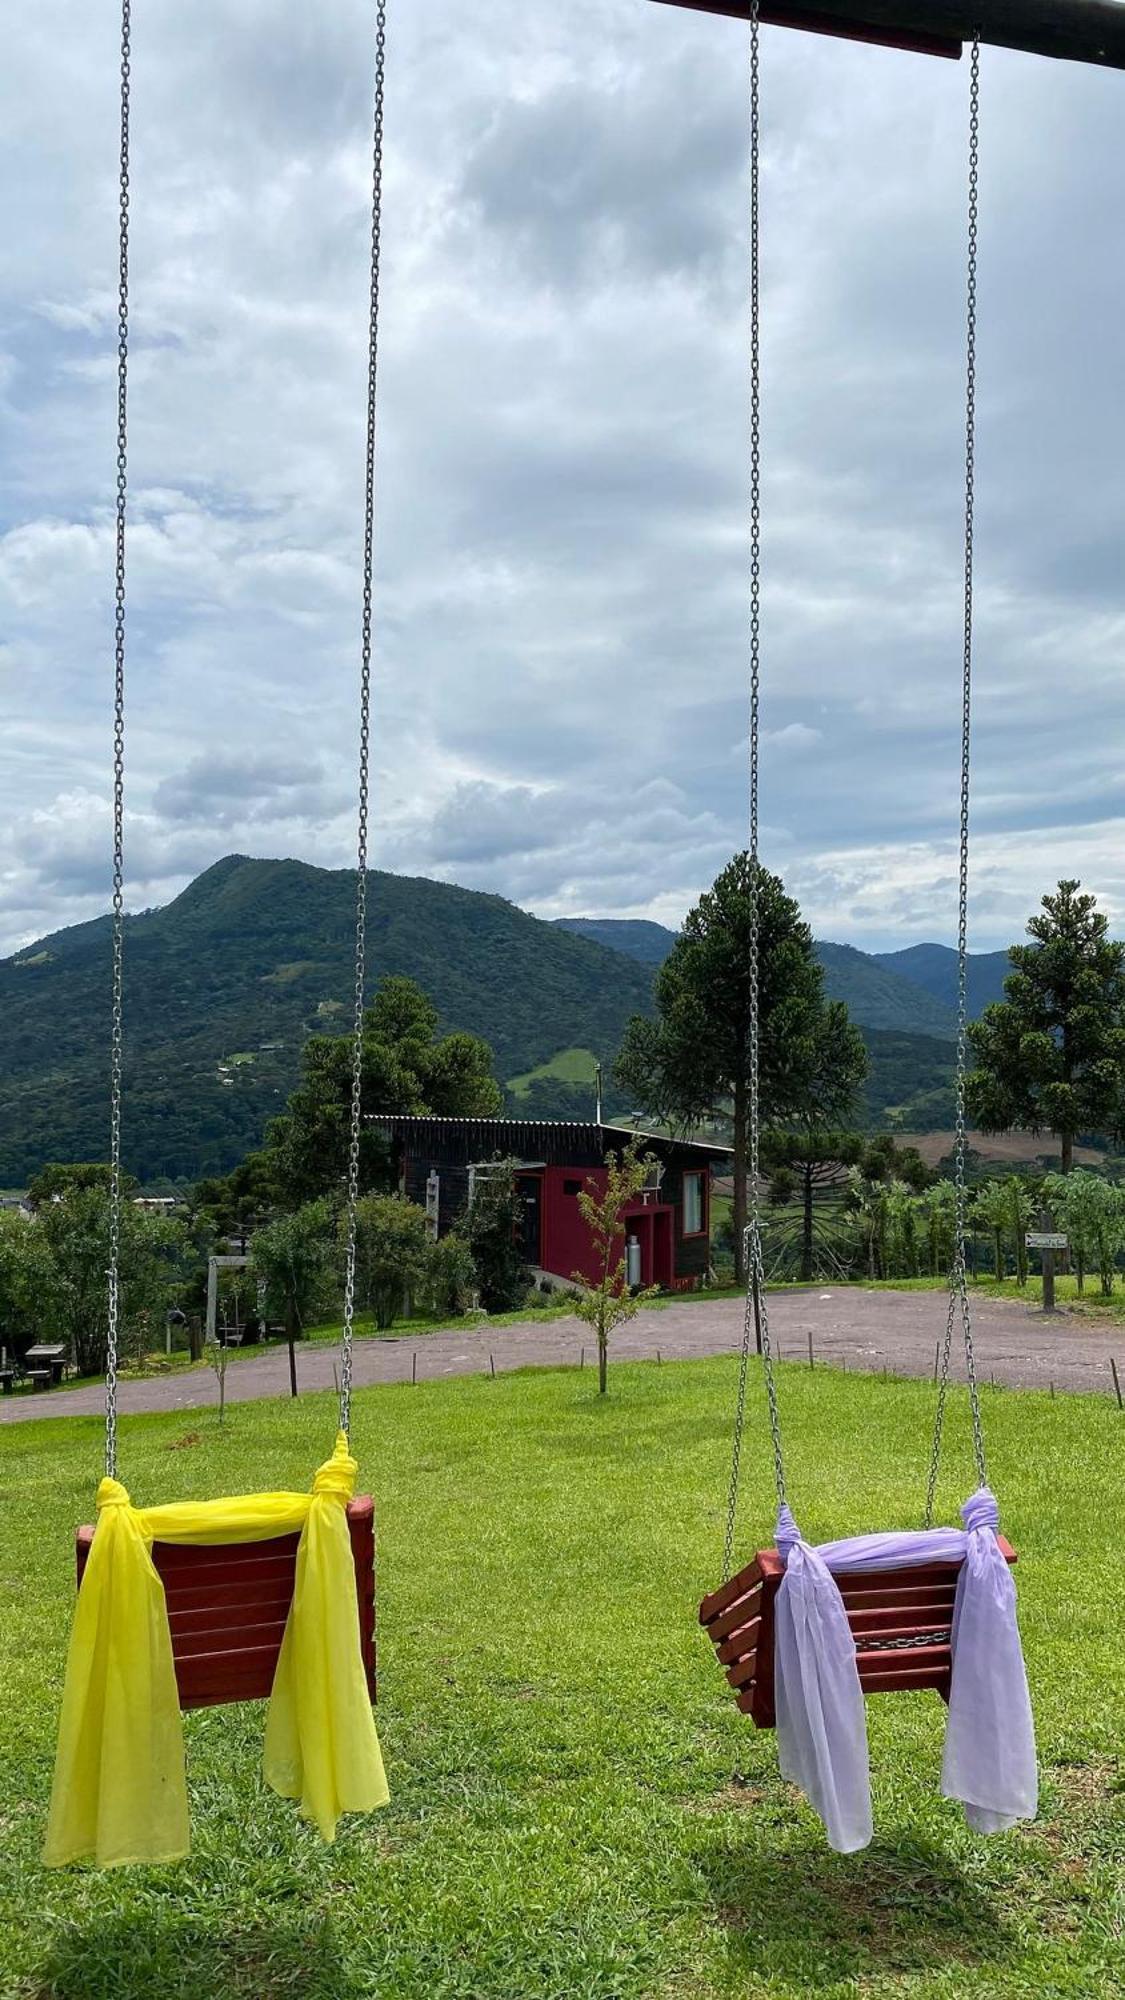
(575, 1128)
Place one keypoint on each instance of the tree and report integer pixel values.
(393, 1252)
(606, 1301)
(1021, 1210)
(62, 1177)
(812, 1164)
(1075, 1201)
(25, 1282)
(295, 1257)
(693, 1061)
(1052, 1054)
(1090, 1209)
(992, 1212)
(491, 1228)
(407, 1068)
(938, 1208)
(155, 1262)
(237, 1203)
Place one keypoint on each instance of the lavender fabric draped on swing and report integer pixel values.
(989, 1761)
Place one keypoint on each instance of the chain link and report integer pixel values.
(356, 1120)
(958, 1282)
(113, 1315)
(756, 1316)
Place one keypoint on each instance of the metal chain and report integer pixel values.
(756, 1315)
(113, 1315)
(958, 1282)
(356, 1122)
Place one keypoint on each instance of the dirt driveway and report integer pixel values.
(867, 1330)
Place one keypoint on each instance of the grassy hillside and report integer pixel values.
(909, 1085)
(225, 983)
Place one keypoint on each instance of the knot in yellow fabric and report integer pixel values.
(111, 1493)
(336, 1478)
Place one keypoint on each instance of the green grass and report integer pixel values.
(579, 1812)
(568, 1066)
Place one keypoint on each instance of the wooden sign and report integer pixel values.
(1046, 1239)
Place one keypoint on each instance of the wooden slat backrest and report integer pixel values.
(227, 1608)
(900, 1619)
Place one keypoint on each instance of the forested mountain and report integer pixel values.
(934, 967)
(224, 984)
(634, 936)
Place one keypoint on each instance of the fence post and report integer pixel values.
(414, 1366)
(1116, 1383)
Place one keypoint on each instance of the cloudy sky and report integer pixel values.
(561, 595)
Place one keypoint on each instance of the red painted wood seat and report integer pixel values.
(900, 1620)
(227, 1608)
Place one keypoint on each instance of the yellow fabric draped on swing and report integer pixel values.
(119, 1792)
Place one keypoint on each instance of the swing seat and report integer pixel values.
(901, 1621)
(228, 1603)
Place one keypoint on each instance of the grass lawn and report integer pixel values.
(579, 1812)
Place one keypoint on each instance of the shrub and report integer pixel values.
(451, 1277)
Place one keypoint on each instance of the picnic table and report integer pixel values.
(45, 1364)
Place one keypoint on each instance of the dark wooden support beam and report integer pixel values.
(1088, 31)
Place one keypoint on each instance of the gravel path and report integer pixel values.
(867, 1330)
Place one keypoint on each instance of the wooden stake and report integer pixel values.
(1116, 1383)
(414, 1366)
(812, 1363)
(492, 1365)
(937, 1359)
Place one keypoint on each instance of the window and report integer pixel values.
(693, 1204)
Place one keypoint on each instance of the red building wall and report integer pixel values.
(566, 1244)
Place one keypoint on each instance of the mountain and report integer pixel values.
(878, 992)
(224, 984)
(934, 968)
(879, 997)
(634, 936)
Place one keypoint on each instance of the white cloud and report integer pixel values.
(562, 550)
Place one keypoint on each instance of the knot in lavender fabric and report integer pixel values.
(981, 1511)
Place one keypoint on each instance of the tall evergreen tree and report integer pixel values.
(407, 1068)
(693, 1061)
(1052, 1054)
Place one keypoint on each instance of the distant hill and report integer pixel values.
(877, 991)
(934, 968)
(879, 997)
(634, 936)
(225, 983)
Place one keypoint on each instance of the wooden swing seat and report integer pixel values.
(227, 1607)
(900, 1619)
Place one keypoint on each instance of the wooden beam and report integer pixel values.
(1087, 31)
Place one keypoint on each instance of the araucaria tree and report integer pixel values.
(1051, 1056)
(407, 1067)
(605, 1301)
(693, 1061)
